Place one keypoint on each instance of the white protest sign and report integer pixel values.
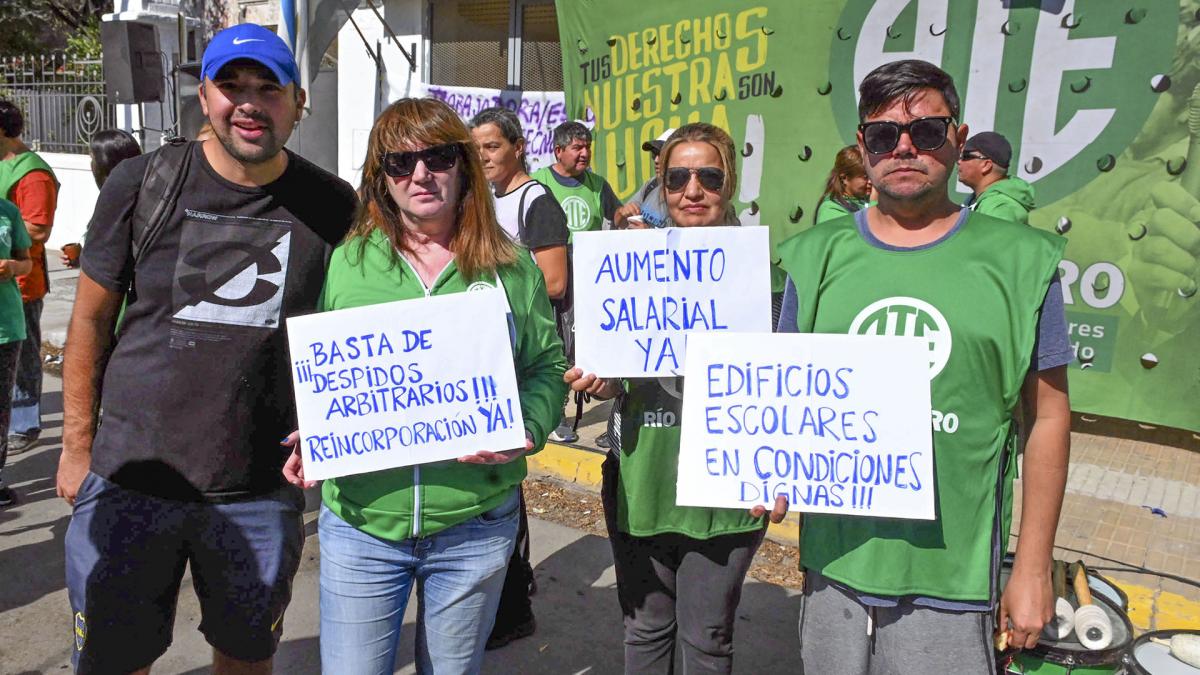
(837, 423)
(404, 383)
(640, 293)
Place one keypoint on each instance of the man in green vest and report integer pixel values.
(983, 167)
(27, 181)
(887, 595)
(587, 199)
(590, 204)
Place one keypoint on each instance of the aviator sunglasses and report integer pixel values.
(711, 178)
(927, 133)
(436, 158)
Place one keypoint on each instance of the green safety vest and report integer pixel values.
(650, 425)
(976, 296)
(581, 203)
(36, 284)
(13, 170)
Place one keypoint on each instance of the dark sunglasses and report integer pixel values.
(677, 178)
(968, 156)
(436, 158)
(927, 133)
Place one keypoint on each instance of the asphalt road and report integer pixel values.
(579, 621)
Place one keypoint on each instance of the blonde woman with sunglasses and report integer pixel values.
(679, 569)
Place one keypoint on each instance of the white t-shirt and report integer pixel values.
(533, 204)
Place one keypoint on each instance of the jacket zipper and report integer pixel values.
(416, 525)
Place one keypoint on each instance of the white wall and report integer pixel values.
(77, 194)
(362, 90)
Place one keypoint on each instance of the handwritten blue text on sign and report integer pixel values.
(835, 423)
(639, 293)
(404, 383)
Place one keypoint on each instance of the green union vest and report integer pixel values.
(650, 425)
(13, 170)
(976, 295)
(581, 203)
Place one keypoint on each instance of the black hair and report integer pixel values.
(108, 148)
(904, 80)
(567, 132)
(12, 122)
(506, 121)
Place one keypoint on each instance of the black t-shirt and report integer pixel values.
(197, 393)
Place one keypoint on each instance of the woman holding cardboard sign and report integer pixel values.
(426, 227)
(679, 569)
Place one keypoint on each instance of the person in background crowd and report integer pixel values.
(847, 188)
(28, 181)
(904, 596)
(426, 228)
(590, 204)
(679, 569)
(528, 212)
(108, 148)
(586, 198)
(525, 208)
(983, 167)
(14, 261)
(638, 207)
(196, 387)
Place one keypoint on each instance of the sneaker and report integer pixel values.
(18, 443)
(564, 434)
(500, 638)
(7, 496)
(602, 441)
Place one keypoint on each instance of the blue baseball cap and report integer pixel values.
(250, 41)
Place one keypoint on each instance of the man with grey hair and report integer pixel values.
(587, 199)
(590, 204)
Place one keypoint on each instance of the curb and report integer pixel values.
(1149, 608)
(581, 466)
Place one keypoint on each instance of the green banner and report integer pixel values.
(1096, 99)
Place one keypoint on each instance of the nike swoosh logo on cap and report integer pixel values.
(242, 41)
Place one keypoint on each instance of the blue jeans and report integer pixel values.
(27, 391)
(365, 584)
(9, 353)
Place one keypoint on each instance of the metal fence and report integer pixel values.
(62, 98)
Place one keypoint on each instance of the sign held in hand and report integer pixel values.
(640, 293)
(404, 383)
(836, 423)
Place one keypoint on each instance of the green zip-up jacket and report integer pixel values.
(1009, 199)
(421, 500)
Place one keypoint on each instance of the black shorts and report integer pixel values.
(126, 552)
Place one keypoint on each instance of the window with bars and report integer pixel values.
(541, 56)
(471, 43)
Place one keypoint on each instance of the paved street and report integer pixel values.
(1120, 472)
(579, 626)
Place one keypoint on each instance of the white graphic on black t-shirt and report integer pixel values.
(231, 271)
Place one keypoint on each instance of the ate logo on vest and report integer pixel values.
(908, 317)
(579, 213)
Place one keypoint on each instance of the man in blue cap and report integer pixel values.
(186, 469)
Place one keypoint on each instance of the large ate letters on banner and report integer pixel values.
(836, 423)
(640, 293)
(404, 383)
(1094, 102)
